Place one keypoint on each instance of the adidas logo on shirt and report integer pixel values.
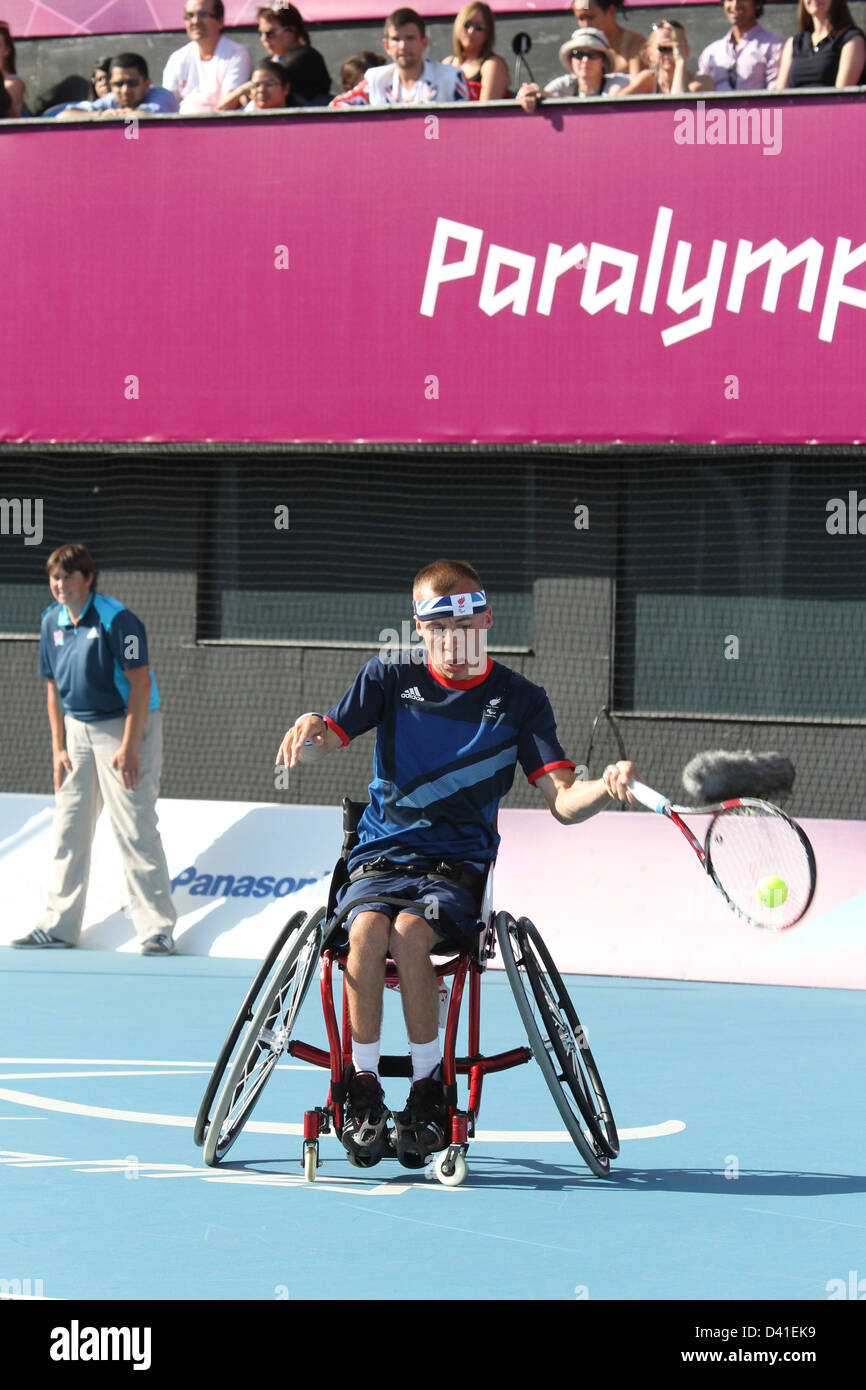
(413, 693)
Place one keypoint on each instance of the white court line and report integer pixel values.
(347, 1186)
(491, 1136)
(95, 1062)
(130, 1062)
(54, 1075)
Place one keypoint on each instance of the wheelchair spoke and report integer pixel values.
(558, 1042)
(267, 1035)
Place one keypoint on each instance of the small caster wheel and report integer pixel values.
(451, 1168)
(311, 1162)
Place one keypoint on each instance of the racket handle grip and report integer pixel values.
(654, 801)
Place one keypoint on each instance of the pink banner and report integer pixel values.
(29, 19)
(631, 271)
(638, 903)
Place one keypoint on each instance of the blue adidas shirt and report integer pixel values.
(87, 661)
(446, 755)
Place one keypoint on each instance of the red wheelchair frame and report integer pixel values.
(262, 1032)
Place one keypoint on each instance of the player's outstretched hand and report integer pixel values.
(616, 778)
(307, 733)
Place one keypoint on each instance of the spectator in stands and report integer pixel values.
(99, 79)
(628, 45)
(285, 38)
(829, 50)
(5, 103)
(409, 77)
(354, 68)
(474, 37)
(588, 61)
(746, 59)
(270, 88)
(284, 35)
(210, 66)
(11, 81)
(130, 90)
(667, 55)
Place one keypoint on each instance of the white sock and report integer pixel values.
(365, 1056)
(425, 1058)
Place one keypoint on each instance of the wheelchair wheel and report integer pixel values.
(244, 1015)
(266, 1037)
(558, 1042)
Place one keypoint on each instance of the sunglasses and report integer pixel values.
(580, 53)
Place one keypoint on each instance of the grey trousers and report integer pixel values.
(92, 784)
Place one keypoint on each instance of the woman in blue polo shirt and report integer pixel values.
(106, 735)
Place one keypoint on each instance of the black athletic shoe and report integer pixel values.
(40, 940)
(365, 1120)
(159, 945)
(420, 1129)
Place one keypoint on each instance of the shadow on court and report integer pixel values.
(526, 1175)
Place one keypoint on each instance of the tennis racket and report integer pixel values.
(760, 860)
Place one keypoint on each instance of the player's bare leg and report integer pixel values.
(365, 974)
(420, 1129)
(411, 941)
(365, 1133)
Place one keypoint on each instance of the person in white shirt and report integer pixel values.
(409, 77)
(746, 59)
(202, 72)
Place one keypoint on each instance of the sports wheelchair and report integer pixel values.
(263, 1030)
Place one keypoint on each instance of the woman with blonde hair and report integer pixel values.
(474, 36)
(667, 54)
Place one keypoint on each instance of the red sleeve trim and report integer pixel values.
(337, 730)
(548, 767)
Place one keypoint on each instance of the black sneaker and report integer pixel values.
(420, 1129)
(159, 945)
(365, 1120)
(42, 940)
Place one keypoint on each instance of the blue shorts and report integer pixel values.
(450, 910)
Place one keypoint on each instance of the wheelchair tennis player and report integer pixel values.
(450, 732)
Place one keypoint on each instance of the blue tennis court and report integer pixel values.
(741, 1173)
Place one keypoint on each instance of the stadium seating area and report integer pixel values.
(58, 71)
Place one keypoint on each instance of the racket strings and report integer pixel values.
(747, 847)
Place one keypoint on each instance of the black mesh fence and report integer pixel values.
(709, 600)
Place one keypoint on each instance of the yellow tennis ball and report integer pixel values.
(772, 892)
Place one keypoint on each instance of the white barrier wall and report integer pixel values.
(619, 895)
